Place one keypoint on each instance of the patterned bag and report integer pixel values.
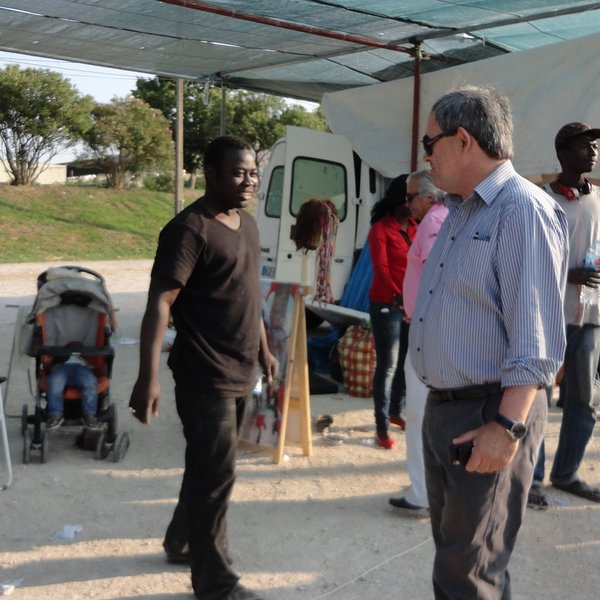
(357, 359)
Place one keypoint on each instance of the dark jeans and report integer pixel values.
(210, 427)
(579, 411)
(390, 333)
(475, 517)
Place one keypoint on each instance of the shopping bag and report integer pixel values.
(356, 350)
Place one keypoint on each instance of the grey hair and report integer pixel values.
(426, 185)
(484, 112)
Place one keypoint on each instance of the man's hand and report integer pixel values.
(583, 276)
(144, 401)
(269, 364)
(493, 449)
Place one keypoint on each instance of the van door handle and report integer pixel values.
(265, 250)
(338, 260)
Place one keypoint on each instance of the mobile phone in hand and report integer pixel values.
(460, 453)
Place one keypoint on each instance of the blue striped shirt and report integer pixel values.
(490, 303)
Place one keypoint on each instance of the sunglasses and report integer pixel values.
(411, 196)
(428, 142)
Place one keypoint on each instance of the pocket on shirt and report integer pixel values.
(474, 266)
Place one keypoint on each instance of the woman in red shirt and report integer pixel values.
(392, 231)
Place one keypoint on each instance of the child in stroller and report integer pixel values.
(76, 372)
(68, 332)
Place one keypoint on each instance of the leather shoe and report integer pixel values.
(240, 592)
(177, 557)
(409, 509)
(579, 488)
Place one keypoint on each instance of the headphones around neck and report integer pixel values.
(572, 193)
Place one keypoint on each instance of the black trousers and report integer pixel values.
(475, 517)
(210, 427)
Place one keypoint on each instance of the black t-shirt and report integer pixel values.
(217, 312)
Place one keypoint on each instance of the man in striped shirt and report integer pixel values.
(486, 336)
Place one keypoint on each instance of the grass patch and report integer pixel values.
(71, 222)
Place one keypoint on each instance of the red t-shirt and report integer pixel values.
(388, 246)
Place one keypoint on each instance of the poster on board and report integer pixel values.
(261, 423)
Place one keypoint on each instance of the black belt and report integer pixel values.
(474, 392)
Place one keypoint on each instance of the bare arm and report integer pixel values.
(146, 391)
(268, 362)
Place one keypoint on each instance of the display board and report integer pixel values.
(279, 413)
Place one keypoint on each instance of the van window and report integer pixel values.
(321, 179)
(275, 193)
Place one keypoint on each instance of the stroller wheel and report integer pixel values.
(102, 448)
(24, 419)
(26, 446)
(121, 446)
(44, 448)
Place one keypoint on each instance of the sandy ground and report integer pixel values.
(308, 528)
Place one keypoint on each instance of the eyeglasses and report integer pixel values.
(428, 142)
(411, 196)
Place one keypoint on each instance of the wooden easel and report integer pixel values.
(296, 394)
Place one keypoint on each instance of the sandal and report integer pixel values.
(536, 498)
(579, 488)
(322, 422)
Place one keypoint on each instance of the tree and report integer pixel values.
(41, 114)
(201, 119)
(128, 138)
(258, 118)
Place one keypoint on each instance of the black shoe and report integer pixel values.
(239, 592)
(579, 488)
(536, 498)
(409, 509)
(91, 422)
(178, 557)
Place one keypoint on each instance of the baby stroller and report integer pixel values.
(72, 307)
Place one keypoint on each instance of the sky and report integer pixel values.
(102, 83)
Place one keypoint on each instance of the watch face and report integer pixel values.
(518, 431)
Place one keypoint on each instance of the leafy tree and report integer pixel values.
(258, 118)
(201, 120)
(128, 138)
(41, 114)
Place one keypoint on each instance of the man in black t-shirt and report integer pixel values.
(206, 273)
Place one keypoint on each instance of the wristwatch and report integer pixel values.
(515, 429)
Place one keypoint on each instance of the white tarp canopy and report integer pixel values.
(548, 87)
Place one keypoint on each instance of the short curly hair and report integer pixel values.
(215, 152)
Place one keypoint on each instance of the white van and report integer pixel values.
(312, 164)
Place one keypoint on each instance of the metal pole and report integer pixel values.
(223, 109)
(179, 149)
(416, 107)
(274, 22)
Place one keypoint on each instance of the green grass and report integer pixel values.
(70, 222)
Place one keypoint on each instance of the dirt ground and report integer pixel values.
(308, 528)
